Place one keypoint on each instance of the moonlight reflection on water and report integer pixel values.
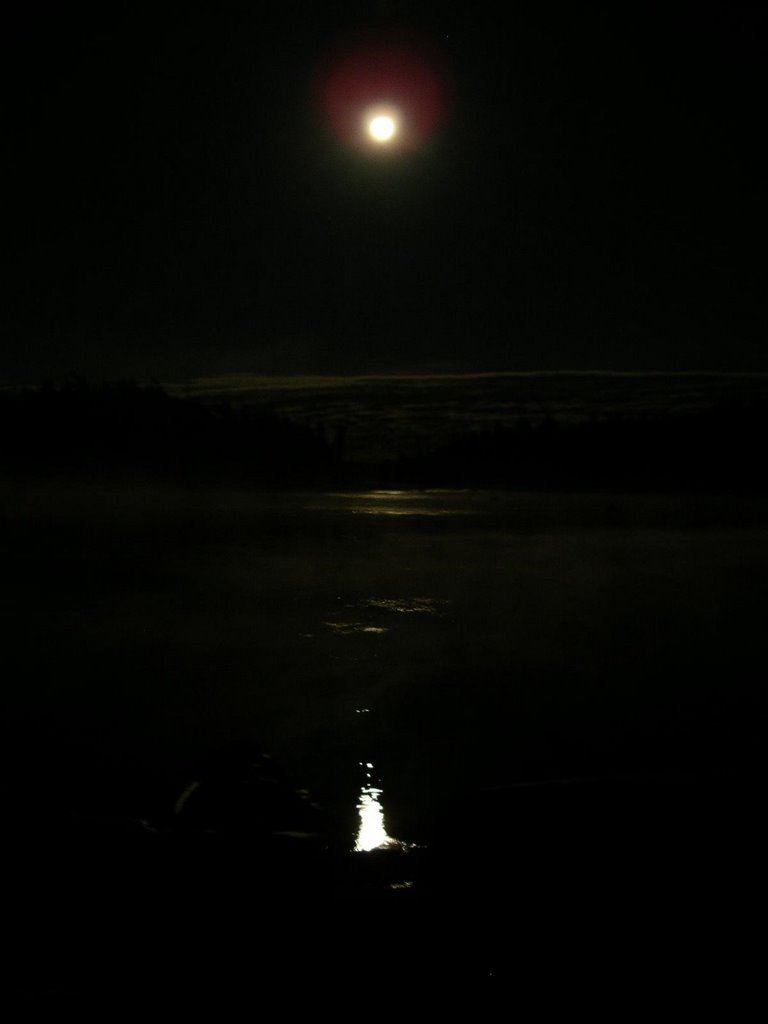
(530, 635)
(406, 504)
(372, 832)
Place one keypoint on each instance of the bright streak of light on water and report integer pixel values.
(372, 832)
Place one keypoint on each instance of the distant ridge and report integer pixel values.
(385, 414)
(275, 380)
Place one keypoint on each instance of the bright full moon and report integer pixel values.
(381, 128)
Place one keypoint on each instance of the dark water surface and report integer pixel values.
(397, 652)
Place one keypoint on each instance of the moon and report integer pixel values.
(383, 96)
(382, 128)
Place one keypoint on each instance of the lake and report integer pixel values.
(395, 652)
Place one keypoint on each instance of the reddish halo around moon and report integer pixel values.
(368, 80)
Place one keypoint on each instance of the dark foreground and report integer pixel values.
(559, 701)
(608, 894)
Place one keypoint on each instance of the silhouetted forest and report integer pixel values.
(123, 428)
(719, 449)
(75, 428)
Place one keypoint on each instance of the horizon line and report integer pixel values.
(288, 379)
(278, 380)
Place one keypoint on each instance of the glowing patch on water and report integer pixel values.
(407, 495)
(405, 511)
(410, 504)
(408, 605)
(346, 628)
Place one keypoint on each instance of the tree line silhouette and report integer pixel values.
(719, 448)
(74, 427)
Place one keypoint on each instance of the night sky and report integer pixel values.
(587, 193)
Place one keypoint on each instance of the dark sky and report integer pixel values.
(594, 196)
